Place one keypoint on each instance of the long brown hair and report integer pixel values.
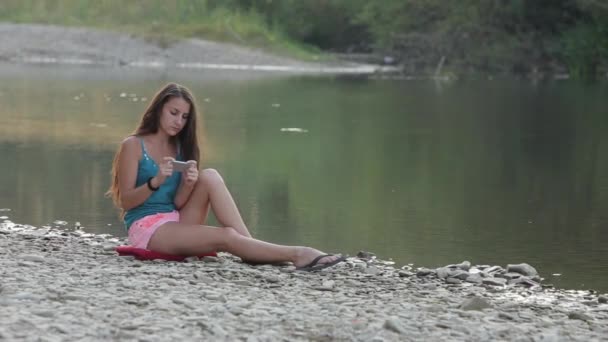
(150, 121)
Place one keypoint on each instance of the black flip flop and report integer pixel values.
(315, 266)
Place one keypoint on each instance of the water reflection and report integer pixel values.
(493, 172)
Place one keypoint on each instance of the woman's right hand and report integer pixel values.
(165, 170)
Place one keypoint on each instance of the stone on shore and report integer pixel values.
(475, 303)
(522, 268)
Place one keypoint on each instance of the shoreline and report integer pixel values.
(37, 44)
(60, 285)
(52, 45)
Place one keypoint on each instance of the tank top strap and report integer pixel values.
(143, 147)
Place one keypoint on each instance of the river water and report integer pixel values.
(423, 173)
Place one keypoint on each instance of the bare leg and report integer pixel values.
(211, 189)
(182, 239)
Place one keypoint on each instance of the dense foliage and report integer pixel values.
(520, 36)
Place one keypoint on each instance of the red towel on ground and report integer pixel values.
(144, 254)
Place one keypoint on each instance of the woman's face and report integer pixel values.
(174, 115)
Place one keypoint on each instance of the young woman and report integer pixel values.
(165, 210)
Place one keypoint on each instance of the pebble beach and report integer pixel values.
(69, 285)
(52, 45)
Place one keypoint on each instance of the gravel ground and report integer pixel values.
(62, 285)
(47, 44)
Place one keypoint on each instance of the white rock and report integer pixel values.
(394, 325)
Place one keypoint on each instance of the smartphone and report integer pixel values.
(179, 166)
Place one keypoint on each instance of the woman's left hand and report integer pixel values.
(191, 174)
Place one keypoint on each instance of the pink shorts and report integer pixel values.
(142, 230)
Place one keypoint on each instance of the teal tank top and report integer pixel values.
(161, 200)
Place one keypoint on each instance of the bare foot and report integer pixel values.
(306, 255)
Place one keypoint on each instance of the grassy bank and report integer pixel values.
(161, 22)
(469, 36)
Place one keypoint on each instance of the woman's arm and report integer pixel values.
(189, 179)
(130, 196)
(183, 194)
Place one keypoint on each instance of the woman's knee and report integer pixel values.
(229, 237)
(210, 177)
